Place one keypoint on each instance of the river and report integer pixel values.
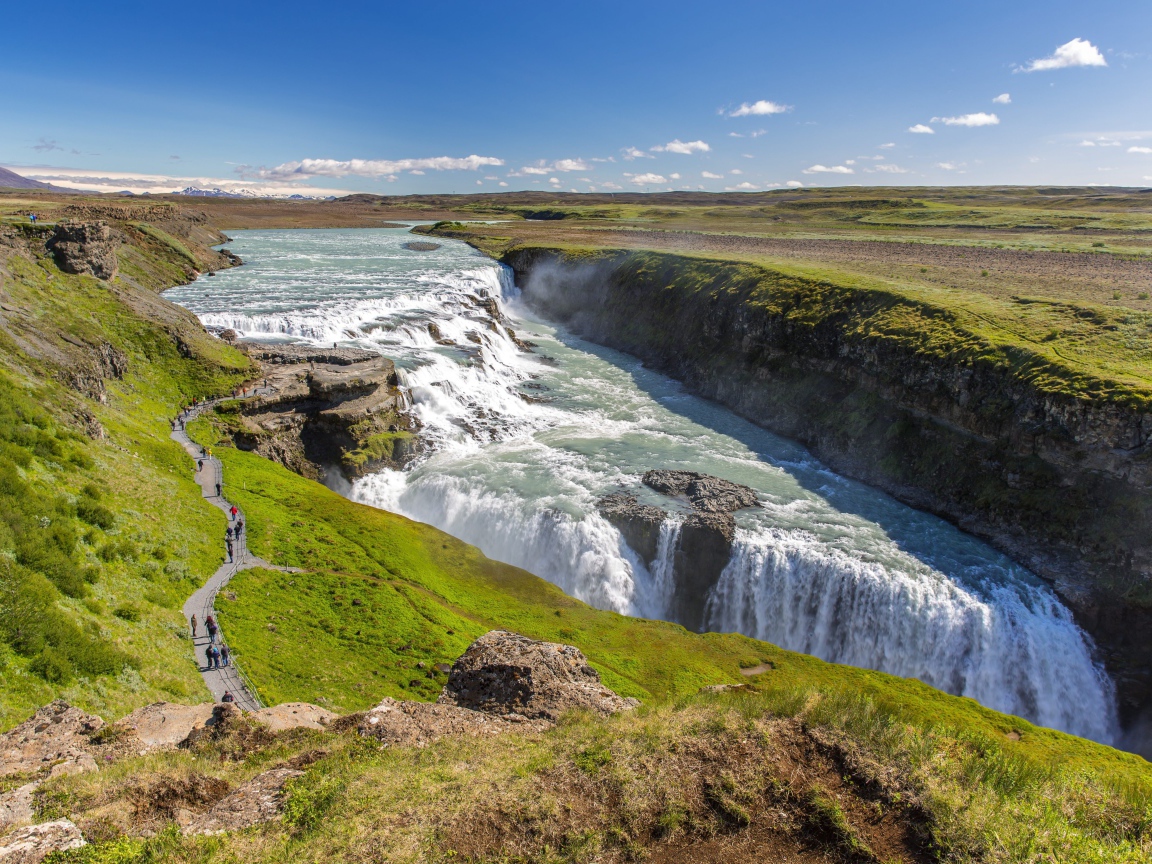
(524, 444)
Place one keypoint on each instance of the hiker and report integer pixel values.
(213, 657)
(239, 528)
(234, 511)
(199, 465)
(228, 534)
(210, 626)
(224, 653)
(193, 626)
(227, 697)
(219, 494)
(229, 551)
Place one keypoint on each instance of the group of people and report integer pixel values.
(232, 534)
(218, 657)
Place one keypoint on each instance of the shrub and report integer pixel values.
(52, 666)
(95, 514)
(127, 612)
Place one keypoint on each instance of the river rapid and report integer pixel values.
(523, 445)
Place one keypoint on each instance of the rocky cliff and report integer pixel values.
(1061, 480)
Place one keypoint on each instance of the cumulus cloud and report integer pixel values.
(1140, 149)
(741, 187)
(540, 168)
(829, 169)
(735, 171)
(759, 107)
(502, 183)
(674, 176)
(1078, 52)
(631, 153)
(1003, 99)
(684, 148)
(647, 179)
(887, 168)
(794, 184)
(610, 185)
(888, 146)
(708, 175)
(921, 129)
(305, 168)
(949, 166)
(980, 118)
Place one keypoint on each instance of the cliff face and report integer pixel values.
(1061, 481)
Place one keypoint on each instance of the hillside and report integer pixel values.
(105, 534)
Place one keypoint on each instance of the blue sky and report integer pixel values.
(590, 96)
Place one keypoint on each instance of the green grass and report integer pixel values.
(415, 584)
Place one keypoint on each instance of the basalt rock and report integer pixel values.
(702, 553)
(58, 737)
(507, 674)
(33, 844)
(638, 523)
(85, 248)
(703, 491)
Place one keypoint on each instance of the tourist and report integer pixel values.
(199, 465)
(213, 657)
(234, 511)
(228, 534)
(210, 626)
(227, 697)
(219, 494)
(193, 622)
(229, 551)
(224, 653)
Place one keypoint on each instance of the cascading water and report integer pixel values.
(523, 445)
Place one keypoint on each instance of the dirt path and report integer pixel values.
(210, 477)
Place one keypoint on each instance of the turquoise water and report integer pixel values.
(825, 566)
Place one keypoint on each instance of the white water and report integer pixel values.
(825, 566)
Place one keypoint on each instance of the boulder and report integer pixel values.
(16, 806)
(704, 492)
(294, 715)
(639, 524)
(165, 724)
(33, 844)
(56, 735)
(85, 247)
(507, 674)
(259, 800)
(417, 724)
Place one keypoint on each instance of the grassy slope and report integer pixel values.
(415, 584)
(163, 540)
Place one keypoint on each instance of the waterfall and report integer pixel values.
(523, 445)
(1015, 649)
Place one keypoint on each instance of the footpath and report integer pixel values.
(202, 603)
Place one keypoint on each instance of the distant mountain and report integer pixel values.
(12, 180)
(245, 193)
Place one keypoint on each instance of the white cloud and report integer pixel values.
(647, 179)
(674, 176)
(825, 169)
(610, 185)
(571, 165)
(1003, 99)
(1087, 143)
(631, 153)
(304, 168)
(762, 106)
(1078, 52)
(418, 173)
(888, 146)
(794, 184)
(555, 180)
(980, 118)
(684, 148)
(735, 134)
(921, 129)
(741, 187)
(1140, 149)
(887, 168)
(158, 184)
(708, 175)
(479, 182)
(849, 161)
(491, 177)
(735, 171)
(950, 166)
(502, 183)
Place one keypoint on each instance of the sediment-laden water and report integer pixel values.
(526, 443)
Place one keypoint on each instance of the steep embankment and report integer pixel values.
(950, 411)
(102, 531)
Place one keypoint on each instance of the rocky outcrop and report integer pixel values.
(507, 674)
(16, 806)
(33, 844)
(1060, 482)
(704, 541)
(85, 248)
(503, 683)
(327, 408)
(259, 800)
(638, 523)
(57, 738)
(294, 715)
(165, 724)
(704, 492)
